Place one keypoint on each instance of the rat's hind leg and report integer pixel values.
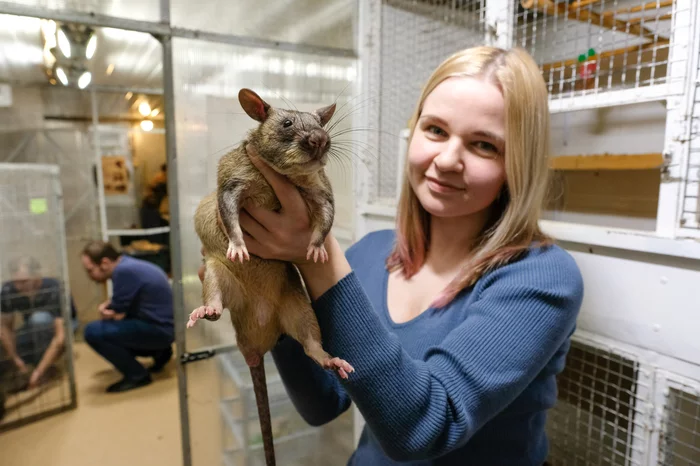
(211, 293)
(299, 322)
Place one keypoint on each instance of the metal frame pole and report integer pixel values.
(66, 291)
(175, 242)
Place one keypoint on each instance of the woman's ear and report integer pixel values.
(253, 105)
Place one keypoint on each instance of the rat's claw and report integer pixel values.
(235, 251)
(340, 366)
(318, 252)
(204, 312)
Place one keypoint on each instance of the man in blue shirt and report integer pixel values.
(136, 321)
(39, 340)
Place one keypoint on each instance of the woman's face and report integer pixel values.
(456, 155)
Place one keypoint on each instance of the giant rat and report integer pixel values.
(266, 298)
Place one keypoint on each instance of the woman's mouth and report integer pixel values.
(441, 186)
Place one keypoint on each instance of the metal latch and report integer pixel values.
(196, 356)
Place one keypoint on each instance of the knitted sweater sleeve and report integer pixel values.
(421, 409)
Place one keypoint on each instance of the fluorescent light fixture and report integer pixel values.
(91, 46)
(146, 125)
(63, 43)
(62, 76)
(84, 80)
(144, 109)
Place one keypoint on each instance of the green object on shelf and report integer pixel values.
(581, 58)
(591, 52)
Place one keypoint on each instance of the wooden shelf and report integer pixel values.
(607, 162)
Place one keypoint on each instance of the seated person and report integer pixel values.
(136, 321)
(40, 339)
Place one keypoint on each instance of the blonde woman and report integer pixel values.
(456, 323)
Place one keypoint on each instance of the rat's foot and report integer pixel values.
(237, 250)
(339, 365)
(204, 312)
(318, 252)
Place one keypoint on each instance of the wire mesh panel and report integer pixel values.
(412, 39)
(688, 132)
(591, 47)
(36, 369)
(210, 123)
(324, 23)
(599, 416)
(679, 440)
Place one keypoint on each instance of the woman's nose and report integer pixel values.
(450, 159)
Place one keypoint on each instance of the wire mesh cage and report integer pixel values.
(36, 367)
(413, 37)
(588, 47)
(599, 417)
(207, 80)
(591, 54)
(679, 440)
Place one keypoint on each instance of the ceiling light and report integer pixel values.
(91, 47)
(146, 125)
(144, 108)
(155, 112)
(84, 80)
(110, 69)
(62, 76)
(63, 43)
(129, 95)
(48, 28)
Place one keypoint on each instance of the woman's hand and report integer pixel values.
(283, 235)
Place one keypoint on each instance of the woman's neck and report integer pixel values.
(452, 240)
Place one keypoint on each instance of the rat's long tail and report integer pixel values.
(257, 373)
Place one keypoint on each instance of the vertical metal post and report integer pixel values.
(682, 70)
(175, 243)
(98, 165)
(499, 23)
(66, 291)
(98, 173)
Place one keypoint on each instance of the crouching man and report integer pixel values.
(138, 318)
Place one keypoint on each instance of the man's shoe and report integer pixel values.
(128, 384)
(161, 360)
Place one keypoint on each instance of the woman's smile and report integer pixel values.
(442, 187)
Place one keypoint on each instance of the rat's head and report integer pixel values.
(292, 142)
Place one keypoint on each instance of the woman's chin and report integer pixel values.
(439, 208)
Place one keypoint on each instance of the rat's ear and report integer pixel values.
(326, 113)
(254, 106)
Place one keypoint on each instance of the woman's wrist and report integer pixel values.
(320, 277)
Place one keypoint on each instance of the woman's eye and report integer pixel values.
(287, 123)
(487, 147)
(436, 130)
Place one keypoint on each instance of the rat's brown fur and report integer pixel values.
(266, 298)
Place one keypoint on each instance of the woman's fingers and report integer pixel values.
(285, 191)
(251, 225)
(254, 247)
(265, 218)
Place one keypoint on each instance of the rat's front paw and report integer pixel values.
(237, 250)
(318, 252)
(339, 365)
(204, 312)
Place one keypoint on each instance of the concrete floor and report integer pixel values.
(140, 427)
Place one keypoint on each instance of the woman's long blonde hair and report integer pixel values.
(513, 225)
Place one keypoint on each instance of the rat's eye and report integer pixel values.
(287, 123)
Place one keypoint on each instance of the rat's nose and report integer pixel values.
(316, 142)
